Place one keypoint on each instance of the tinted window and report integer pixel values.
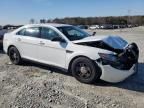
(47, 33)
(21, 32)
(33, 32)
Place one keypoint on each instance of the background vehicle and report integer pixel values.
(106, 26)
(1, 27)
(93, 27)
(89, 58)
(2, 32)
(82, 26)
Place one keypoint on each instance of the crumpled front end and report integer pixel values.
(114, 75)
(119, 66)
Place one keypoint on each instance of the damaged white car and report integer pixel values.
(89, 58)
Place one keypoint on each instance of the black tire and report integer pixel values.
(85, 70)
(14, 56)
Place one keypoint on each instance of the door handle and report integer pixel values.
(42, 43)
(19, 39)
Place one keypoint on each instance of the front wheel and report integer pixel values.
(85, 71)
(14, 56)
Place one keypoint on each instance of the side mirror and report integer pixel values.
(94, 33)
(58, 39)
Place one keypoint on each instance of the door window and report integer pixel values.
(47, 33)
(32, 32)
(21, 32)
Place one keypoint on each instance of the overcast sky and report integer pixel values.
(21, 11)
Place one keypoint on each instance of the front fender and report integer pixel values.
(93, 55)
(74, 50)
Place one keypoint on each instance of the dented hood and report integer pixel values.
(115, 42)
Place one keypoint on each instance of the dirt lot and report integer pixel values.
(36, 86)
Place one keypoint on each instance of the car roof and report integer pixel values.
(49, 24)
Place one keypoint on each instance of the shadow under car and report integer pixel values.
(133, 83)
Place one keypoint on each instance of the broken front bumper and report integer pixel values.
(116, 68)
(113, 75)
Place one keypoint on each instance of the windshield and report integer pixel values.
(73, 33)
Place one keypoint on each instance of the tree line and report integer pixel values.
(119, 20)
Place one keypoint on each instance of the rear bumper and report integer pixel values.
(113, 75)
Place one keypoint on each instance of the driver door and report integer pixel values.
(53, 53)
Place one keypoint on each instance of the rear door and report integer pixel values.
(27, 41)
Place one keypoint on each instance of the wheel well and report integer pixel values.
(85, 57)
(9, 48)
(69, 67)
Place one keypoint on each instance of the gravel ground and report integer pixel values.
(36, 86)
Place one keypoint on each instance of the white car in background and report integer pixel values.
(93, 27)
(89, 58)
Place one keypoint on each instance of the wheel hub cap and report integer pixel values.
(15, 55)
(83, 70)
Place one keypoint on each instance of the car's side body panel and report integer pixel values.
(8, 41)
(27, 46)
(53, 53)
(37, 49)
(80, 50)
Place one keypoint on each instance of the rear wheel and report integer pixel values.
(14, 56)
(85, 71)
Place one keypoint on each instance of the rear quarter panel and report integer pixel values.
(7, 41)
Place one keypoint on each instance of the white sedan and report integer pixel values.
(93, 27)
(89, 58)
